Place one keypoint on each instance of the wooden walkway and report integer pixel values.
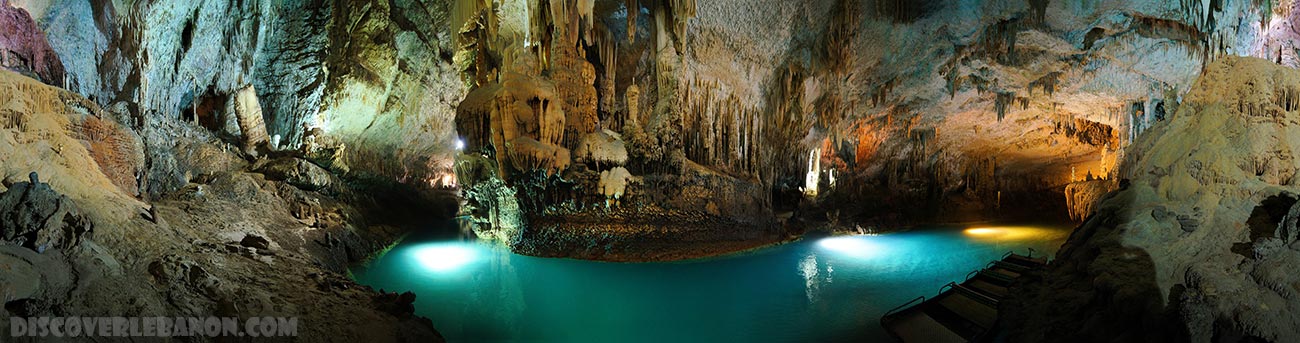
(965, 312)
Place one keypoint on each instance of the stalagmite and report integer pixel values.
(251, 123)
(632, 98)
(613, 183)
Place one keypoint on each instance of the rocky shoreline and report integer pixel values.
(651, 241)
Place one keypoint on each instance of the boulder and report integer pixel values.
(401, 305)
(255, 241)
(33, 215)
(298, 172)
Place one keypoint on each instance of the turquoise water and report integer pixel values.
(825, 289)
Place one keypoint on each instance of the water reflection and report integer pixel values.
(818, 289)
(808, 268)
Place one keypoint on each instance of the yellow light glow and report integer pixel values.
(984, 231)
(1013, 233)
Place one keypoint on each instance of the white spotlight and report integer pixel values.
(444, 257)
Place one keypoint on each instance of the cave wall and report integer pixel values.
(370, 78)
(1194, 241)
(990, 110)
(957, 111)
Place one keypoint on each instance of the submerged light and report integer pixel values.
(984, 231)
(853, 246)
(1015, 233)
(442, 257)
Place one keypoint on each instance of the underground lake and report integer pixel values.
(820, 288)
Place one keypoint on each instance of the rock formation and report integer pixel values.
(76, 241)
(252, 126)
(650, 130)
(38, 218)
(1193, 244)
(23, 47)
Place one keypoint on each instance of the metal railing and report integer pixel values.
(900, 307)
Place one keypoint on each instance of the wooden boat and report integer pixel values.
(961, 312)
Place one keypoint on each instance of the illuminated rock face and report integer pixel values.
(23, 47)
(523, 116)
(1207, 205)
(666, 129)
(945, 111)
(993, 107)
(380, 85)
(617, 161)
(251, 123)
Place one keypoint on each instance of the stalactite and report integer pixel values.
(585, 22)
(468, 13)
(542, 25)
(783, 123)
(1003, 100)
(633, 10)
(903, 11)
(671, 17)
(10, 119)
(607, 49)
(1046, 82)
(999, 41)
(1136, 119)
(1287, 98)
(843, 30)
(1038, 12)
(981, 85)
(720, 129)
(951, 71)
(881, 95)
